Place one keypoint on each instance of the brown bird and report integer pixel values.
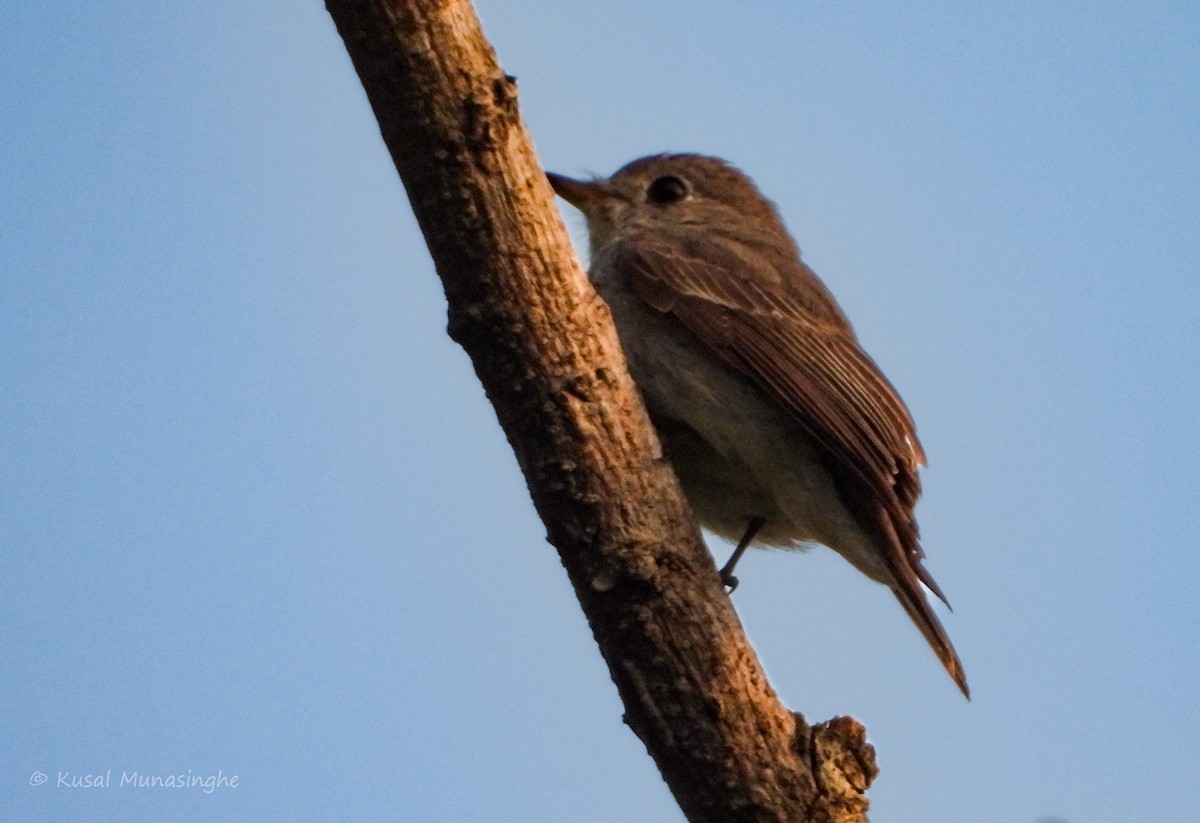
(782, 430)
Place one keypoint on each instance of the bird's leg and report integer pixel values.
(752, 528)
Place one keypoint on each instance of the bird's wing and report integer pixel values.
(797, 347)
(801, 352)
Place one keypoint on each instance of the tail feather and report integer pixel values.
(902, 555)
(931, 584)
(917, 606)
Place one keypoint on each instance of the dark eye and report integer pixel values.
(666, 190)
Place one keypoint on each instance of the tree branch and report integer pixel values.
(544, 347)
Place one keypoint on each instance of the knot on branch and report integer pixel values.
(489, 115)
(843, 762)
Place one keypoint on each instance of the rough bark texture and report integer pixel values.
(545, 350)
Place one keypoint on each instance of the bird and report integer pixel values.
(783, 432)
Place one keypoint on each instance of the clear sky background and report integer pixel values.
(258, 518)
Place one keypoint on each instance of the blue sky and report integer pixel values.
(259, 520)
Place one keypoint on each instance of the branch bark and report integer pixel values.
(544, 347)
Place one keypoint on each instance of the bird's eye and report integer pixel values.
(666, 190)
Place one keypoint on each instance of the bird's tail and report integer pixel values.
(908, 591)
(907, 577)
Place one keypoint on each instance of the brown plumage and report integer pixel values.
(766, 403)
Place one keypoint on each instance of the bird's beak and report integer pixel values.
(582, 194)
